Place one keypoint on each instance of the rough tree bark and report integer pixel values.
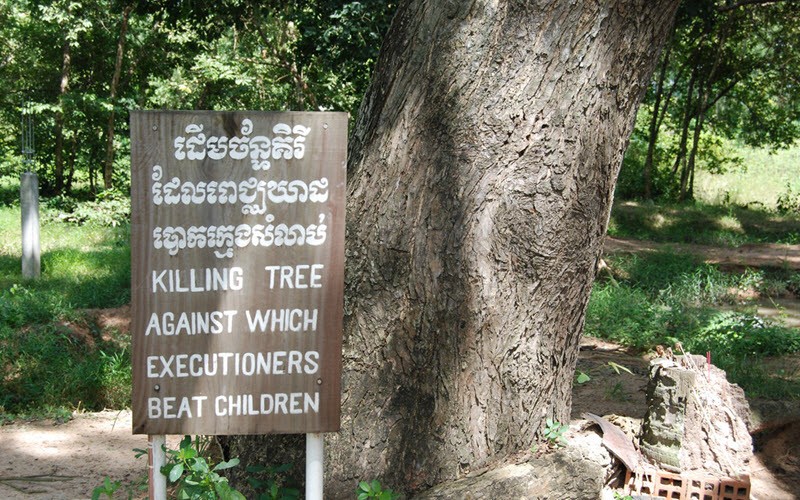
(481, 176)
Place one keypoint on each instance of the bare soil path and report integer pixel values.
(54, 460)
(751, 255)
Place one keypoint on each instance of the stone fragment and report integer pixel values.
(696, 420)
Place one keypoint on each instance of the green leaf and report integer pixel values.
(176, 472)
(282, 468)
(583, 378)
(225, 491)
(227, 465)
(199, 465)
(364, 486)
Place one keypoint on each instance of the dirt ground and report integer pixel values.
(52, 460)
(67, 460)
(753, 255)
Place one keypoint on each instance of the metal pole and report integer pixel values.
(315, 452)
(29, 203)
(157, 458)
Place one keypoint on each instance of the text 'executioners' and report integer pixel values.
(246, 364)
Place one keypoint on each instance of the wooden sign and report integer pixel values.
(237, 271)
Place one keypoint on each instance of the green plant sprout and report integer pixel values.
(374, 489)
(108, 488)
(554, 432)
(619, 368)
(617, 392)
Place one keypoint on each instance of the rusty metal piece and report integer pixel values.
(618, 443)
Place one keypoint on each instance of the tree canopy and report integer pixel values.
(729, 73)
(82, 64)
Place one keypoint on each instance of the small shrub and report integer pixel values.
(374, 489)
(269, 482)
(736, 334)
(195, 478)
(622, 314)
(108, 488)
(110, 209)
(789, 201)
(554, 432)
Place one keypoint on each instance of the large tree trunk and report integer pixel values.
(481, 176)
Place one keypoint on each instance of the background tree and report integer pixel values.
(727, 74)
(480, 176)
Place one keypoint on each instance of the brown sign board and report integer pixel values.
(237, 244)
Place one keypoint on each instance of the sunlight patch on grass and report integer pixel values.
(764, 178)
(658, 221)
(732, 224)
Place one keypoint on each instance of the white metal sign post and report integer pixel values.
(315, 465)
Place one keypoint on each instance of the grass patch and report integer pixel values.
(765, 178)
(49, 369)
(663, 298)
(53, 356)
(699, 223)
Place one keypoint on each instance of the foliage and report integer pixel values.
(766, 173)
(617, 392)
(195, 477)
(374, 489)
(554, 432)
(233, 54)
(743, 335)
(110, 208)
(269, 482)
(789, 201)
